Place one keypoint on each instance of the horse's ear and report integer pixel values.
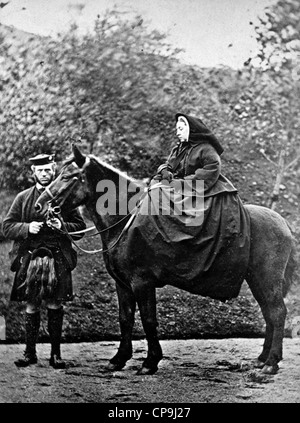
(78, 156)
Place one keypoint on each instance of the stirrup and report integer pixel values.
(56, 362)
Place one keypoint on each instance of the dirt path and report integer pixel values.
(192, 371)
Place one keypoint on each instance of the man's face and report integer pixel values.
(44, 174)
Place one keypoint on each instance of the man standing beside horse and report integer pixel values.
(42, 258)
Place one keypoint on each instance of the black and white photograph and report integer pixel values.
(149, 192)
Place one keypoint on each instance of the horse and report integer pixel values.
(270, 268)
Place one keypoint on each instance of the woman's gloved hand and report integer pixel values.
(166, 175)
(163, 173)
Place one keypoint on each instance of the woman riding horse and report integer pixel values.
(143, 252)
(224, 232)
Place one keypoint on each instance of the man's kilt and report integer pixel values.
(42, 272)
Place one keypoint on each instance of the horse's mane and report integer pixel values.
(106, 165)
(114, 169)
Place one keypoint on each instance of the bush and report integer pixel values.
(115, 91)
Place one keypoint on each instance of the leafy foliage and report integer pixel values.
(278, 36)
(116, 91)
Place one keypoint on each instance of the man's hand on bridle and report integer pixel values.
(54, 222)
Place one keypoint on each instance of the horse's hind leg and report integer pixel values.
(277, 310)
(146, 299)
(270, 298)
(127, 306)
(258, 295)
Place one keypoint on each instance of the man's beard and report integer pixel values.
(43, 183)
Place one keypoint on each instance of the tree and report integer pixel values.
(279, 38)
(97, 89)
(115, 90)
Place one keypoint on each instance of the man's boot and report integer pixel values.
(55, 322)
(32, 325)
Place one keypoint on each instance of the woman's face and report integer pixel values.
(182, 130)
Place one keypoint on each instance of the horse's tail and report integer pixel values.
(291, 269)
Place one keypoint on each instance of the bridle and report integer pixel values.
(56, 211)
(67, 189)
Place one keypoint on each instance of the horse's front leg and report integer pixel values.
(146, 299)
(127, 306)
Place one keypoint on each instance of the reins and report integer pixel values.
(101, 250)
(83, 231)
(67, 190)
(133, 214)
(56, 211)
(94, 227)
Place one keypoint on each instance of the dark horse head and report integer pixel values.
(80, 182)
(71, 184)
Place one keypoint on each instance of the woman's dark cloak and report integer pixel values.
(208, 249)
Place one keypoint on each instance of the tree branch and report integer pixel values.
(276, 190)
(292, 163)
(268, 158)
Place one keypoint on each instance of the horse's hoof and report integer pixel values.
(110, 367)
(146, 371)
(258, 364)
(270, 370)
